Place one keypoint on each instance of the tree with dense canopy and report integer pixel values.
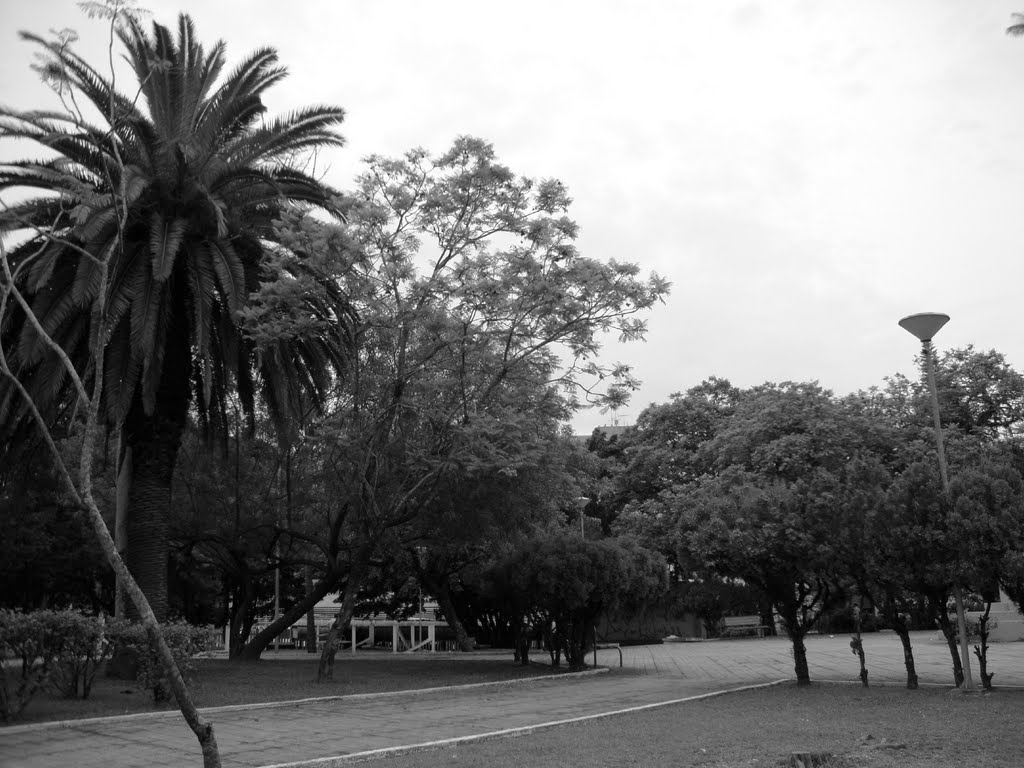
(780, 472)
(171, 193)
(479, 326)
(561, 583)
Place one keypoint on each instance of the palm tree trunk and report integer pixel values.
(153, 439)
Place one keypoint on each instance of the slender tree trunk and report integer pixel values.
(577, 641)
(891, 612)
(325, 667)
(857, 643)
(202, 729)
(242, 616)
(908, 653)
(124, 483)
(310, 614)
(767, 614)
(949, 632)
(342, 621)
(521, 635)
(803, 674)
(790, 614)
(981, 650)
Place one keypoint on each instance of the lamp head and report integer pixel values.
(924, 325)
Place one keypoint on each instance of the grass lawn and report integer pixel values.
(880, 727)
(218, 682)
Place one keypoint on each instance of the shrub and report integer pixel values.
(87, 646)
(30, 646)
(184, 640)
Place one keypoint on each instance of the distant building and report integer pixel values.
(609, 431)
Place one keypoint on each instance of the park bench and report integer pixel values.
(742, 625)
(605, 647)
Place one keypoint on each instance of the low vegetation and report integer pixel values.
(219, 682)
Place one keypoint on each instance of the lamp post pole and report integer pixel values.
(925, 326)
(581, 504)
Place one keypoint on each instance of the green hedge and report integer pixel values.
(64, 650)
(184, 640)
(31, 646)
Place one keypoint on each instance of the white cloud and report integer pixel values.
(804, 171)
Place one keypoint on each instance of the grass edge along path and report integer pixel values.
(174, 713)
(374, 754)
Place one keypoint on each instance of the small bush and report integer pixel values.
(184, 640)
(31, 645)
(87, 646)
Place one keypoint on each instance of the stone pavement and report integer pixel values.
(829, 658)
(316, 729)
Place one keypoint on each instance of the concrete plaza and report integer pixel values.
(335, 731)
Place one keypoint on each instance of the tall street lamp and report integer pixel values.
(924, 326)
(581, 504)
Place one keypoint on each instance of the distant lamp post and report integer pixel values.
(924, 326)
(581, 504)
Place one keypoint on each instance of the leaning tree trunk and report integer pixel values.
(342, 622)
(202, 729)
(949, 632)
(908, 653)
(255, 647)
(443, 594)
(900, 627)
(242, 615)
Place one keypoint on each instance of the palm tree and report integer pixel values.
(176, 187)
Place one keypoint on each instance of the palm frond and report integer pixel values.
(301, 130)
(121, 374)
(145, 307)
(165, 239)
(88, 278)
(229, 271)
(178, 192)
(153, 363)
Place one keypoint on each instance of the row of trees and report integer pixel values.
(800, 503)
(817, 501)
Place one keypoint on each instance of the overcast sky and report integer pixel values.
(805, 172)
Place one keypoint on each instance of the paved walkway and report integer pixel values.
(290, 733)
